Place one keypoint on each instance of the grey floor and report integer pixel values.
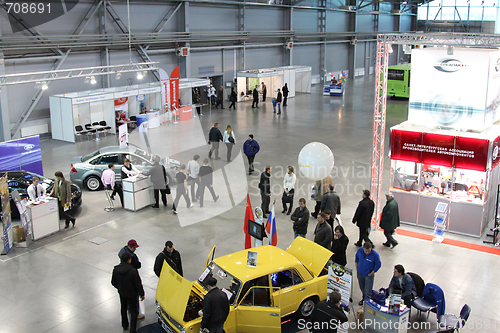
(62, 283)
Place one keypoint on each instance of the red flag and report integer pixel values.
(248, 216)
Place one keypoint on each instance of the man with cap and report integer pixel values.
(215, 308)
(130, 248)
(389, 220)
(171, 256)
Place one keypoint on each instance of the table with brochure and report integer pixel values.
(44, 215)
(379, 318)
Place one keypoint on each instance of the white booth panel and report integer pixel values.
(109, 113)
(68, 128)
(76, 115)
(277, 83)
(291, 83)
(133, 106)
(241, 87)
(84, 113)
(96, 111)
(55, 117)
(303, 82)
(268, 82)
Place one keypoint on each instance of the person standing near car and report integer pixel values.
(250, 149)
(215, 308)
(228, 139)
(108, 180)
(130, 248)
(214, 137)
(265, 190)
(323, 232)
(128, 170)
(367, 264)
(328, 316)
(35, 190)
(339, 246)
(126, 279)
(171, 256)
(300, 218)
(288, 190)
(62, 191)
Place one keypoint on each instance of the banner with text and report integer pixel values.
(340, 279)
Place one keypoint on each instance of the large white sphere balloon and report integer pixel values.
(316, 160)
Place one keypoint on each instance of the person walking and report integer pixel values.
(158, 176)
(214, 137)
(250, 149)
(367, 264)
(206, 176)
(265, 190)
(264, 92)
(320, 188)
(196, 101)
(35, 190)
(255, 102)
(279, 98)
(331, 201)
(233, 97)
(220, 98)
(339, 246)
(229, 140)
(323, 232)
(171, 256)
(288, 190)
(213, 94)
(285, 94)
(215, 308)
(62, 191)
(130, 248)
(300, 218)
(182, 190)
(389, 220)
(193, 169)
(126, 279)
(362, 218)
(328, 316)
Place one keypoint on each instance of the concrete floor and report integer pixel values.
(62, 283)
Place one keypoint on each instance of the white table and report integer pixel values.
(44, 217)
(137, 192)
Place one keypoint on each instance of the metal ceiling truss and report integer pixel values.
(438, 39)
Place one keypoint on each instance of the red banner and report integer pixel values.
(437, 149)
(495, 154)
(174, 88)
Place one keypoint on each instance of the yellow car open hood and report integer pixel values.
(312, 255)
(173, 293)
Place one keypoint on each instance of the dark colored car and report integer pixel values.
(20, 180)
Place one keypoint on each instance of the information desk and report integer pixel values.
(378, 320)
(137, 192)
(44, 216)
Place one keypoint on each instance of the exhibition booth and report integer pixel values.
(298, 79)
(186, 89)
(444, 158)
(87, 107)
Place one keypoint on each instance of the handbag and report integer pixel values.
(231, 139)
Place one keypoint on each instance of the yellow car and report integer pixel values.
(282, 282)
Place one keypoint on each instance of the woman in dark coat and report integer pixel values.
(339, 246)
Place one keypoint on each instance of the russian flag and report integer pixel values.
(271, 228)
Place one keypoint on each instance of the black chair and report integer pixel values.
(79, 131)
(419, 283)
(98, 129)
(106, 128)
(90, 130)
(452, 321)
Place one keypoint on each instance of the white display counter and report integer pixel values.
(44, 217)
(153, 118)
(378, 320)
(137, 193)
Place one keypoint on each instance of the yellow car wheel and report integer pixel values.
(307, 307)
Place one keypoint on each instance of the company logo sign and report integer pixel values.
(29, 147)
(449, 65)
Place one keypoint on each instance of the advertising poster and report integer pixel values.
(340, 279)
(165, 83)
(121, 105)
(174, 88)
(123, 135)
(22, 154)
(457, 91)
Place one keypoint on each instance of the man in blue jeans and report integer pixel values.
(367, 264)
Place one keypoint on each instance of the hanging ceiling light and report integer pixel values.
(44, 86)
(118, 76)
(87, 79)
(140, 75)
(92, 80)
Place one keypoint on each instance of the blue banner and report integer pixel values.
(22, 154)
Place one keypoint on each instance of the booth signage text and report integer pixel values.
(94, 98)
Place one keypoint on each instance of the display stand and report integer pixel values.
(26, 221)
(44, 217)
(378, 319)
(440, 216)
(137, 193)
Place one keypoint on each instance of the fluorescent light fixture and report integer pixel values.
(139, 75)
(92, 80)
(44, 86)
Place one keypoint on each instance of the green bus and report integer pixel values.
(398, 80)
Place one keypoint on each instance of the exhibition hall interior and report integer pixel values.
(167, 166)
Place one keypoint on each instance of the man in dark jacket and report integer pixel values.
(158, 176)
(220, 98)
(126, 279)
(285, 94)
(265, 190)
(328, 316)
(300, 218)
(363, 217)
(214, 137)
(130, 248)
(323, 232)
(331, 201)
(279, 98)
(171, 256)
(404, 284)
(255, 98)
(206, 175)
(215, 308)
(389, 220)
(250, 149)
